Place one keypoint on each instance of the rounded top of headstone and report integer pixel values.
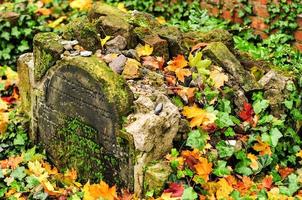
(113, 85)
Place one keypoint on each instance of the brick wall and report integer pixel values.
(228, 9)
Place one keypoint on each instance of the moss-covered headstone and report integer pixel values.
(76, 107)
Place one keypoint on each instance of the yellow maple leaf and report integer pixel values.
(299, 154)
(97, 191)
(161, 20)
(254, 163)
(36, 168)
(4, 118)
(81, 4)
(167, 196)
(121, 6)
(145, 50)
(262, 147)
(203, 168)
(105, 40)
(57, 22)
(219, 78)
(224, 190)
(198, 116)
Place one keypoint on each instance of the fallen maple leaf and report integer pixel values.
(153, 62)
(161, 20)
(145, 50)
(224, 189)
(262, 147)
(285, 171)
(198, 116)
(44, 11)
(175, 190)
(219, 78)
(177, 66)
(267, 182)
(191, 158)
(247, 112)
(299, 154)
(57, 22)
(101, 190)
(105, 40)
(254, 163)
(203, 168)
(4, 119)
(186, 93)
(81, 4)
(121, 6)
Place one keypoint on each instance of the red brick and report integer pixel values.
(261, 11)
(215, 2)
(299, 20)
(298, 35)
(215, 11)
(227, 15)
(261, 34)
(298, 46)
(258, 23)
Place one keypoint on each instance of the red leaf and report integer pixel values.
(284, 172)
(175, 189)
(247, 113)
(267, 182)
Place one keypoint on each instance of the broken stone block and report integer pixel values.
(221, 55)
(112, 21)
(47, 50)
(85, 32)
(25, 65)
(153, 133)
(160, 46)
(274, 84)
(156, 176)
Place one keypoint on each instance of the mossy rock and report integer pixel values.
(47, 50)
(85, 32)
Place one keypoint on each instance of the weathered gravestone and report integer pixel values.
(76, 103)
(76, 107)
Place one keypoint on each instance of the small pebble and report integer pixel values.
(74, 53)
(158, 108)
(86, 53)
(118, 64)
(69, 42)
(67, 47)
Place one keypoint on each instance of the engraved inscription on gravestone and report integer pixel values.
(76, 110)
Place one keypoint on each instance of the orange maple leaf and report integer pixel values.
(262, 147)
(284, 172)
(177, 65)
(203, 168)
(101, 190)
(267, 182)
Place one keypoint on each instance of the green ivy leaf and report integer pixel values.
(275, 136)
(260, 105)
(197, 139)
(224, 120)
(221, 169)
(229, 132)
(189, 194)
(224, 150)
(18, 173)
